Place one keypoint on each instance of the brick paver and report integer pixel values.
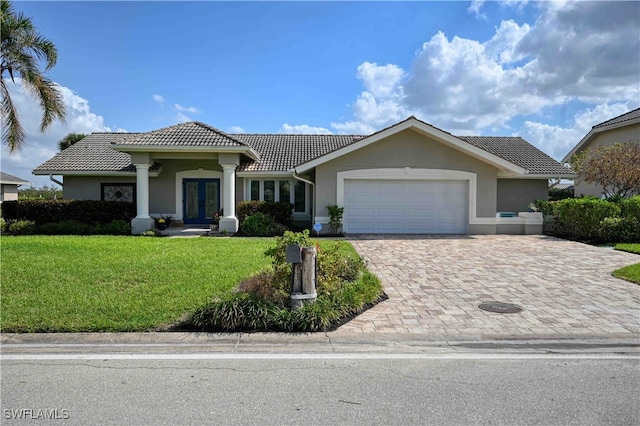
(435, 284)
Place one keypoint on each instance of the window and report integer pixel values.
(289, 190)
(118, 192)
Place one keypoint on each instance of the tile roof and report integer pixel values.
(92, 154)
(278, 152)
(11, 179)
(620, 119)
(193, 134)
(519, 152)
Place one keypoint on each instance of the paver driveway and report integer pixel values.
(435, 285)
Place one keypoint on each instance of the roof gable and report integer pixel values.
(427, 130)
(190, 134)
(626, 119)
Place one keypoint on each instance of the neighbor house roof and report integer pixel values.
(626, 119)
(7, 179)
(100, 153)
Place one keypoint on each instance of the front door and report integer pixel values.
(201, 200)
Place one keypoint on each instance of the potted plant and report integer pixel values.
(161, 224)
(215, 222)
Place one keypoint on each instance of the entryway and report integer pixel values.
(201, 199)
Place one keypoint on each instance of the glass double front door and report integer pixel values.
(201, 199)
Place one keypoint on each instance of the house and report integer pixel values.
(9, 186)
(624, 128)
(408, 178)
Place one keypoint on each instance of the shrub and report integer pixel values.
(3, 224)
(53, 211)
(630, 207)
(580, 218)
(22, 227)
(335, 218)
(261, 225)
(262, 285)
(67, 227)
(239, 312)
(115, 227)
(280, 212)
(620, 229)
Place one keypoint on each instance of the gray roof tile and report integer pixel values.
(278, 152)
(519, 152)
(6, 177)
(193, 133)
(620, 119)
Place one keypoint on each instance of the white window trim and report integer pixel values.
(408, 173)
(292, 192)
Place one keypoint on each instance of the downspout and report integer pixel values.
(313, 186)
(55, 180)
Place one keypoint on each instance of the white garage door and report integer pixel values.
(405, 206)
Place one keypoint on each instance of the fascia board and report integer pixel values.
(163, 148)
(91, 173)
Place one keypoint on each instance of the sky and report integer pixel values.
(545, 71)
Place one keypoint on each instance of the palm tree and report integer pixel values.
(22, 48)
(69, 140)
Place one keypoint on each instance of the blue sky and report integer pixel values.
(546, 71)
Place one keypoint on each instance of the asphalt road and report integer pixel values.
(474, 387)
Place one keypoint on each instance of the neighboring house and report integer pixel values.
(624, 128)
(408, 178)
(9, 186)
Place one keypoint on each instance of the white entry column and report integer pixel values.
(229, 163)
(142, 221)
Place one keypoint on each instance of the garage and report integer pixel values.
(374, 206)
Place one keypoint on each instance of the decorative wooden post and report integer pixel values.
(303, 274)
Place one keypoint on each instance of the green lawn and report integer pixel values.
(101, 283)
(632, 272)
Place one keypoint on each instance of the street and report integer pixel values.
(447, 387)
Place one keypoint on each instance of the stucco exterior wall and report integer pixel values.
(515, 195)
(9, 192)
(89, 187)
(624, 134)
(407, 149)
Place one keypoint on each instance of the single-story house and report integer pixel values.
(408, 178)
(9, 186)
(624, 128)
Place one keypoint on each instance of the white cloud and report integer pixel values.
(158, 98)
(39, 147)
(475, 7)
(236, 129)
(181, 108)
(557, 141)
(303, 129)
(182, 118)
(575, 51)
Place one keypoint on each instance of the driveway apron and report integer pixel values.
(435, 284)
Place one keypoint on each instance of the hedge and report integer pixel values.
(53, 211)
(280, 212)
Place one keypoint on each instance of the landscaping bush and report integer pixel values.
(261, 225)
(55, 211)
(22, 227)
(74, 227)
(345, 288)
(67, 227)
(3, 225)
(630, 207)
(580, 218)
(620, 229)
(280, 212)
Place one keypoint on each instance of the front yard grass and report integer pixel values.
(102, 283)
(632, 272)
